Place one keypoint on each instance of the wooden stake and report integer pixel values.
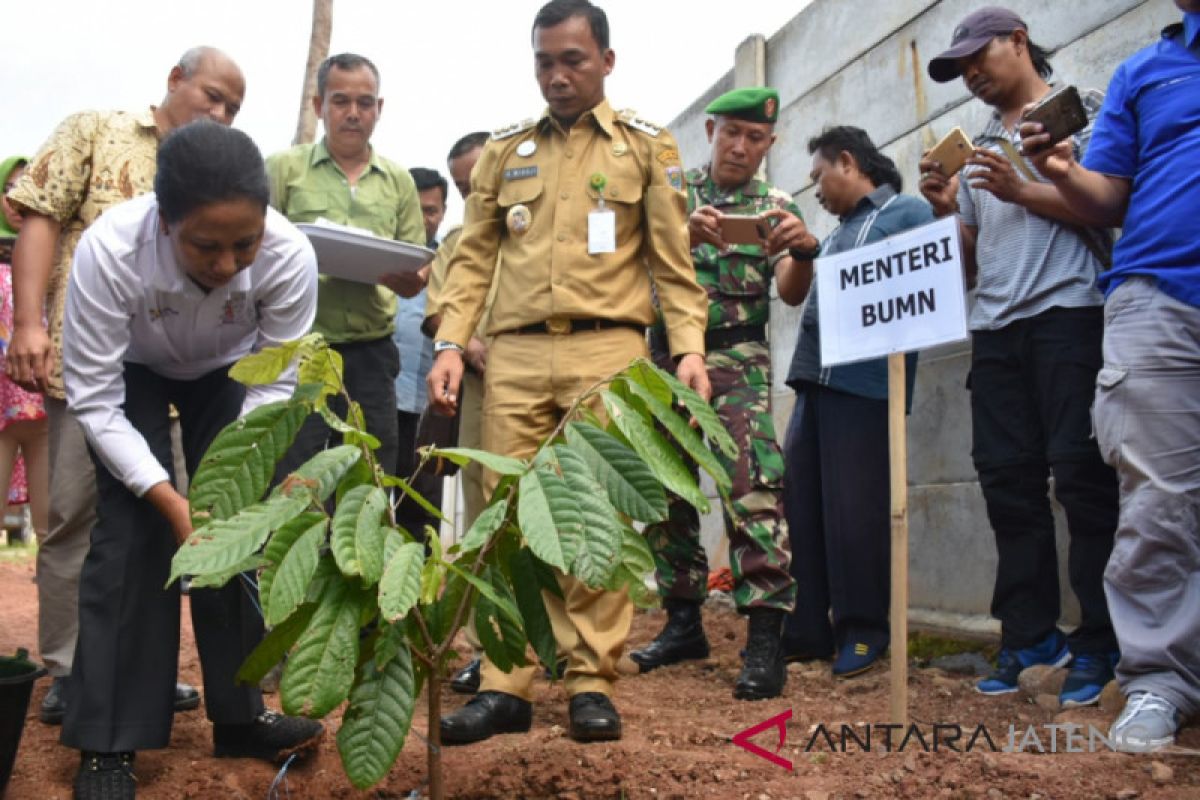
(898, 462)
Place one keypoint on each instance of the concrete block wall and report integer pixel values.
(858, 63)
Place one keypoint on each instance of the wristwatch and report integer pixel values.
(442, 344)
(806, 255)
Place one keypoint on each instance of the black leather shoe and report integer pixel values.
(105, 776)
(466, 680)
(593, 718)
(682, 638)
(54, 704)
(186, 697)
(271, 737)
(763, 672)
(485, 715)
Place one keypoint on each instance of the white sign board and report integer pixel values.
(899, 294)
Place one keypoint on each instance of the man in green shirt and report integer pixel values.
(342, 179)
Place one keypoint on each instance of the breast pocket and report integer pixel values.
(305, 206)
(623, 194)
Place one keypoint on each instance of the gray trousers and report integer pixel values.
(65, 544)
(1147, 418)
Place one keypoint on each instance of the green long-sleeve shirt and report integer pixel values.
(306, 183)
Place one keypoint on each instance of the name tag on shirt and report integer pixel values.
(602, 231)
(517, 173)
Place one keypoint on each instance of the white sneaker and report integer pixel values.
(1148, 723)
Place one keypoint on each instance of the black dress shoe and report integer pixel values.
(186, 697)
(466, 680)
(105, 776)
(485, 715)
(54, 704)
(271, 736)
(593, 718)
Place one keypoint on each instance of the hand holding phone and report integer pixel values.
(1061, 114)
(744, 229)
(951, 152)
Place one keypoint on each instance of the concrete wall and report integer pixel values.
(859, 63)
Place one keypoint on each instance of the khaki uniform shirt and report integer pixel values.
(437, 282)
(531, 194)
(93, 161)
(306, 183)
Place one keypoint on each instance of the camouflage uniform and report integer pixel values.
(738, 284)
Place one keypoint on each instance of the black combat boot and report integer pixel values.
(680, 639)
(763, 671)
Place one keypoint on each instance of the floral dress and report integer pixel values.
(16, 404)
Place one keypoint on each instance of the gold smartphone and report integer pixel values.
(744, 229)
(952, 151)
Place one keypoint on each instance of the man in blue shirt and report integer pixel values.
(836, 476)
(1141, 174)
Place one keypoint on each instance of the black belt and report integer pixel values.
(724, 338)
(561, 326)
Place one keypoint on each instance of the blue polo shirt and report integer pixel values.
(1149, 132)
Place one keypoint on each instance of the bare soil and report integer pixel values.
(679, 724)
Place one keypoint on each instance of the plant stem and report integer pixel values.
(433, 734)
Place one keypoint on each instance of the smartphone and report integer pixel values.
(1061, 114)
(744, 229)
(952, 151)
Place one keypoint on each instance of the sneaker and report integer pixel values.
(1148, 723)
(105, 776)
(54, 704)
(855, 659)
(1051, 651)
(1090, 673)
(271, 737)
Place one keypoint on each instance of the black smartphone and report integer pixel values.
(1062, 114)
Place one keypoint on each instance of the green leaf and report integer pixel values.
(320, 671)
(225, 544)
(289, 587)
(409, 491)
(600, 535)
(700, 410)
(683, 433)
(216, 580)
(653, 449)
(389, 641)
(487, 523)
(636, 561)
(505, 604)
(358, 533)
(327, 571)
(321, 474)
(650, 378)
(265, 366)
(440, 614)
(528, 594)
(502, 465)
(548, 515)
(431, 579)
(377, 721)
(278, 547)
(361, 474)
(241, 460)
(631, 486)
(321, 366)
(350, 434)
(401, 584)
(502, 637)
(274, 646)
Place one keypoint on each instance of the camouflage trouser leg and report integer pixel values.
(759, 551)
(680, 564)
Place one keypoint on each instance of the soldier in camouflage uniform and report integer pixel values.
(738, 279)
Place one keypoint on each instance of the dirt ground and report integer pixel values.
(679, 726)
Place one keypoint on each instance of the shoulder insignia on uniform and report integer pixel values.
(513, 129)
(631, 118)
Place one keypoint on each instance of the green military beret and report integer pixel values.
(754, 104)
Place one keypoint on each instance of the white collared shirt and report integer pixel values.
(130, 301)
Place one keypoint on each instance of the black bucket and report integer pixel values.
(17, 674)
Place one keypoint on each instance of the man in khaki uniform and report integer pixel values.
(571, 307)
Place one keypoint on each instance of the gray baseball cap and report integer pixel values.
(971, 36)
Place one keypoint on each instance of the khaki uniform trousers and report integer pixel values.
(470, 434)
(532, 380)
